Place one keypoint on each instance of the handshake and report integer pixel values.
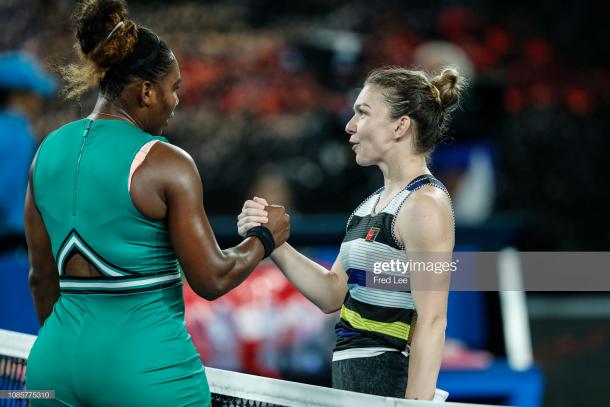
(257, 212)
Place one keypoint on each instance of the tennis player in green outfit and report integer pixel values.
(111, 210)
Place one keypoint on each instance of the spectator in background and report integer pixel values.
(23, 85)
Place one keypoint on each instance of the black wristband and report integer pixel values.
(265, 236)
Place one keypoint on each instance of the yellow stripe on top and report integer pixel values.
(398, 330)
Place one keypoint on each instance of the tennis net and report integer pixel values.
(229, 389)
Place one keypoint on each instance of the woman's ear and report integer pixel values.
(147, 94)
(401, 130)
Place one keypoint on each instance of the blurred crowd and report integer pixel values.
(268, 87)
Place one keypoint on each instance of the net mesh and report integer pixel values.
(229, 389)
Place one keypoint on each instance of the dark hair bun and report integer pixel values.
(449, 87)
(112, 51)
(95, 20)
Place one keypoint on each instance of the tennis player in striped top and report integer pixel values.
(386, 336)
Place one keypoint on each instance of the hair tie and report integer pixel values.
(116, 27)
(145, 61)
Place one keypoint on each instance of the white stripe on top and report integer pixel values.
(75, 242)
(120, 284)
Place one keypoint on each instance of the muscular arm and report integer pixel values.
(425, 225)
(325, 288)
(43, 277)
(174, 180)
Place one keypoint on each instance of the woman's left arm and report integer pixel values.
(425, 226)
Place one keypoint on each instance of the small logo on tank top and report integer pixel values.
(372, 235)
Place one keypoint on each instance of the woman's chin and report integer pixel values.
(362, 161)
(162, 128)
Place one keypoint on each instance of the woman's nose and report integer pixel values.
(351, 127)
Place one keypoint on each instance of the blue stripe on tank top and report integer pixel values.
(345, 333)
(357, 277)
(425, 181)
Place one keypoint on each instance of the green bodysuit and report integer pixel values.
(119, 339)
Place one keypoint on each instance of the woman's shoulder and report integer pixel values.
(62, 133)
(67, 127)
(172, 164)
(427, 202)
(169, 153)
(426, 218)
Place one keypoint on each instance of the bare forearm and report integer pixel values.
(237, 264)
(325, 288)
(425, 358)
(45, 294)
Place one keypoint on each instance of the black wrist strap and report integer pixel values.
(265, 236)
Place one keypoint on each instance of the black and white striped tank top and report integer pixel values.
(374, 317)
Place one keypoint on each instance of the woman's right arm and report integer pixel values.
(210, 271)
(325, 288)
